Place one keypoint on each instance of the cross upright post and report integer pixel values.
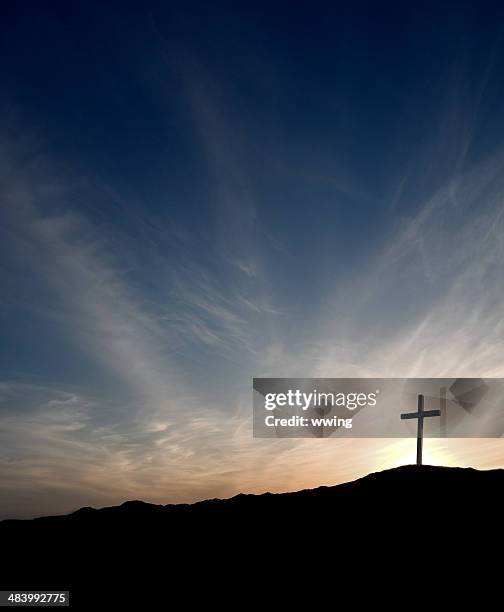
(420, 415)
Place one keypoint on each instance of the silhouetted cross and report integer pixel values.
(420, 415)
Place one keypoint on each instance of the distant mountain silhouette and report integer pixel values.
(271, 546)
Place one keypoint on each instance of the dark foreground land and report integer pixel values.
(407, 526)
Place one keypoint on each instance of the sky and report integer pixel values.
(194, 194)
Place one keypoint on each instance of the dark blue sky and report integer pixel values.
(326, 90)
(331, 110)
(197, 193)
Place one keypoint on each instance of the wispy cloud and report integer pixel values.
(161, 435)
(428, 306)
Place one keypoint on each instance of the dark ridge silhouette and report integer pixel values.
(155, 555)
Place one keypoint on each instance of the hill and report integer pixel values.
(251, 540)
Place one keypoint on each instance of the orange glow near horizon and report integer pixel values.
(403, 452)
